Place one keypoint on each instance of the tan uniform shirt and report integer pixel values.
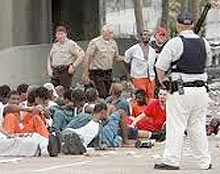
(102, 53)
(65, 53)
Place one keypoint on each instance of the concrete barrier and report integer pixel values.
(23, 64)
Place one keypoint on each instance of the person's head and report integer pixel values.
(31, 97)
(14, 98)
(89, 85)
(50, 87)
(60, 90)
(4, 92)
(140, 97)
(161, 35)
(61, 33)
(101, 111)
(91, 95)
(22, 90)
(107, 32)
(42, 96)
(78, 97)
(162, 95)
(116, 89)
(213, 127)
(145, 36)
(185, 21)
(67, 95)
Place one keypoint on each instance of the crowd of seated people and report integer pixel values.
(60, 118)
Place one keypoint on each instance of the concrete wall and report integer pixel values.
(5, 23)
(24, 22)
(23, 64)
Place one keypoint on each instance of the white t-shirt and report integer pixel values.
(87, 132)
(1, 113)
(140, 67)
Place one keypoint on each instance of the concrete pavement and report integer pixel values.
(115, 161)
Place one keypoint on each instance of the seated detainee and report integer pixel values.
(89, 127)
(154, 114)
(4, 92)
(62, 115)
(139, 102)
(78, 98)
(53, 94)
(23, 91)
(31, 91)
(116, 99)
(113, 131)
(60, 92)
(128, 89)
(16, 121)
(73, 107)
(92, 98)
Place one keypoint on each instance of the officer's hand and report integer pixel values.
(118, 59)
(71, 69)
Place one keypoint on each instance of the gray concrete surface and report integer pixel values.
(116, 161)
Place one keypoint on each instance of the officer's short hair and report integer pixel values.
(107, 27)
(185, 18)
(145, 30)
(61, 28)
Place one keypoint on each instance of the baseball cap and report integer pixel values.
(185, 18)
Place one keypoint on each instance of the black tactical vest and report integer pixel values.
(193, 58)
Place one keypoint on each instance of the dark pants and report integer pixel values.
(61, 76)
(102, 80)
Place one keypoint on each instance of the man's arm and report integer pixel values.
(161, 74)
(87, 61)
(79, 53)
(116, 57)
(138, 118)
(151, 62)
(127, 60)
(209, 53)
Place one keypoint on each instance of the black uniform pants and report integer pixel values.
(61, 76)
(102, 80)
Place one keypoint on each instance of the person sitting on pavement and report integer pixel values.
(116, 99)
(139, 102)
(153, 117)
(213, 126)
(16, 121)
(92, 98)
(53, 94)
(23, 91)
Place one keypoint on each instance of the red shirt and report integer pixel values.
(137, 110)
(156, 117)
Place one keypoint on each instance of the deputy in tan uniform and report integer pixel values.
(100, 54)
(65, 56)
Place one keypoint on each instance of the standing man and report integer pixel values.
(65, 56)
(142, 56)
(159, 40)
(100, 55)
(188, 56)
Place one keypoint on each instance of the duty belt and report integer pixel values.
(197, 83)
